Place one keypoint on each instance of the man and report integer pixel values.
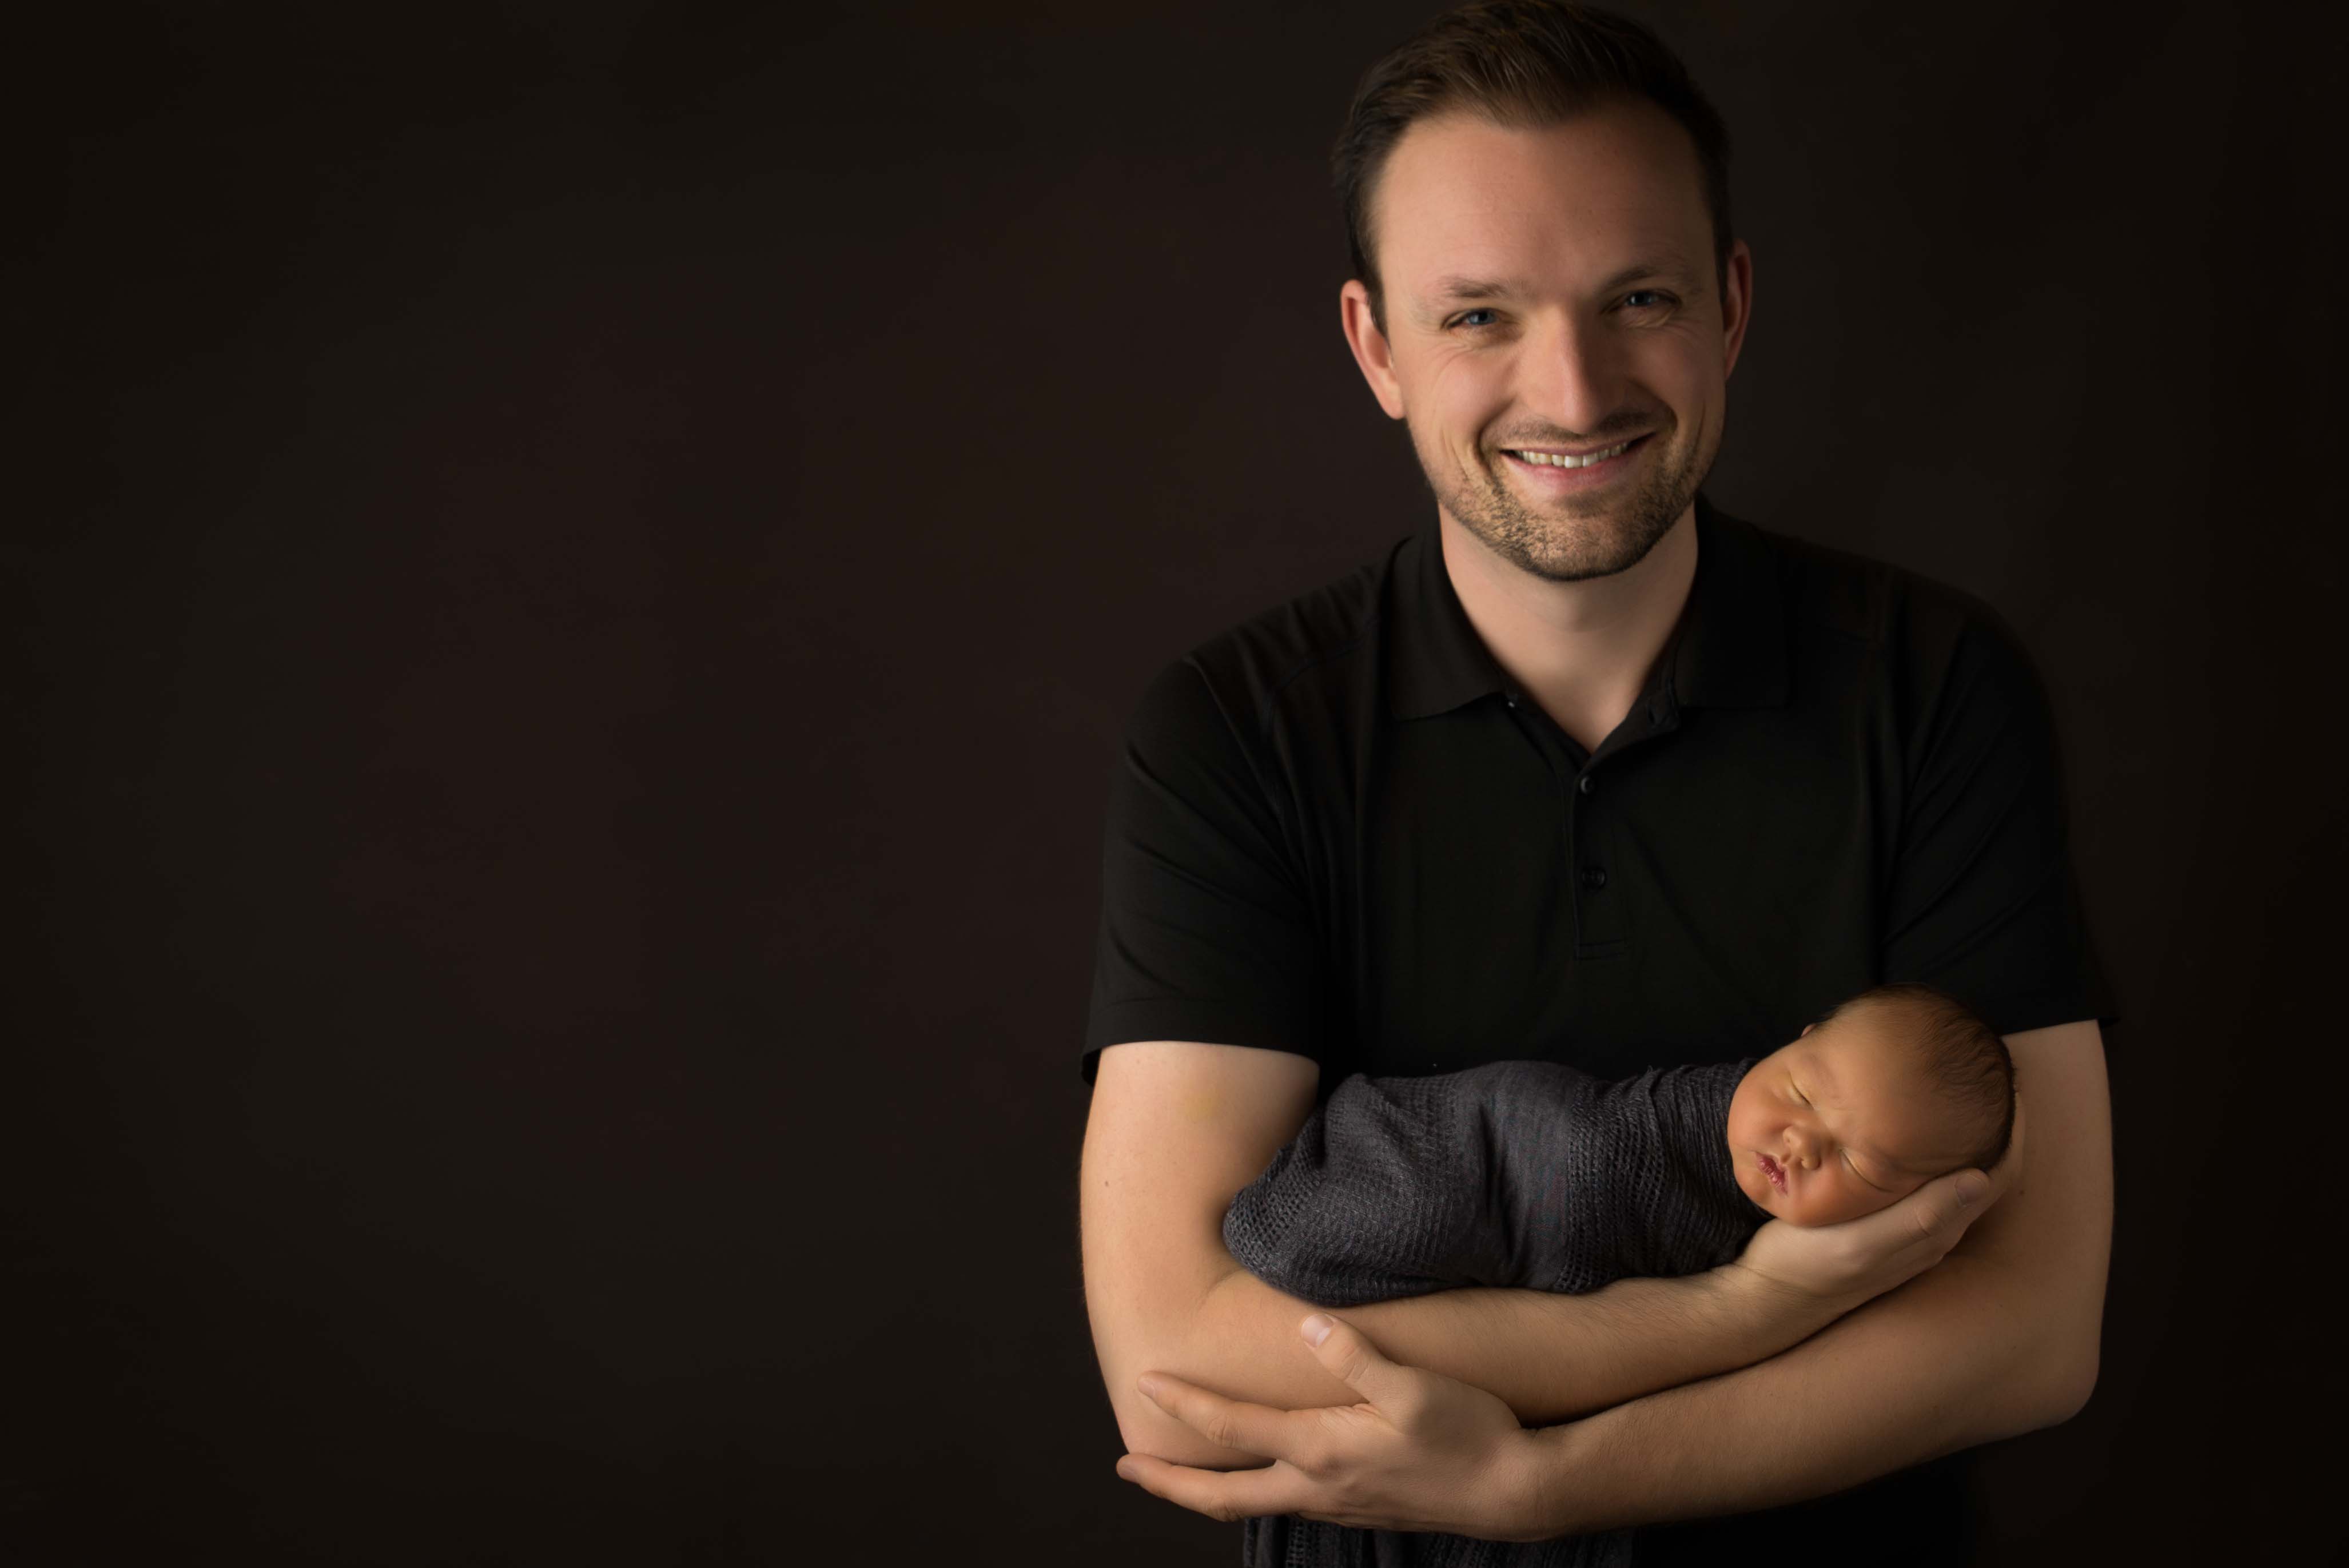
(1587, 771)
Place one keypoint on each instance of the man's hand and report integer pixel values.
(1421, 1451)
(1840, 1267)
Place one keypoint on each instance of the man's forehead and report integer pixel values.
(1468, 206)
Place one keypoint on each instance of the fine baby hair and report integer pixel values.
(1957, 1052)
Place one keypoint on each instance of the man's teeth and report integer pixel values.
(1561, 460)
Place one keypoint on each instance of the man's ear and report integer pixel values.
(1736, 305)
(1806, 1029)
(1372, 351)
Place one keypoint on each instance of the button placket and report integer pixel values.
(1598, 915)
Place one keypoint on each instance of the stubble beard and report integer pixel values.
(1570, 541)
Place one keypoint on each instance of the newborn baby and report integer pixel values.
(1534, 1174)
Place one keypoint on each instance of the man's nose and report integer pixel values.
(1569, 376)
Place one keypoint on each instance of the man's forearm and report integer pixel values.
(1547, 1356)
(1858, 1401)
(1552, 1357)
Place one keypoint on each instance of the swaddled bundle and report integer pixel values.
(1523, 1174)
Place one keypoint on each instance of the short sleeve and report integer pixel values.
(1982, 903)
(1207, 932)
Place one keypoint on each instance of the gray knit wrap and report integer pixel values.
(1518, 1174)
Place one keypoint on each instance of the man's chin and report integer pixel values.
(1592, 553)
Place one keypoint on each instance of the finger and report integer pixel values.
(1941, 1211)
(1349, 1355)
(1227, 1495)
(1226, 1423)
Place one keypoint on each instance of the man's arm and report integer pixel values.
(1177, 1128)
(2000, 1339)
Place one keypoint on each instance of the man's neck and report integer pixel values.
(1583, 651)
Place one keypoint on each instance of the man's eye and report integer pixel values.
(1463, 320)
(1652, 296)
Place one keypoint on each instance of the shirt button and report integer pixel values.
(1510, 698)
(1584, 784)
(1594, 876)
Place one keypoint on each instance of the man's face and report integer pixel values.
(1551, 292)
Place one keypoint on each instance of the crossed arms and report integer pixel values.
(1755, 1385)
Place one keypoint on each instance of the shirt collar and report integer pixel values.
(1728, 651)
(1733, 635)
(1437, 660)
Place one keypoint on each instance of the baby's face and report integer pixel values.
(1838, 1124)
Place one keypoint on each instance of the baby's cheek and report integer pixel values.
(1853, 1202)
(1877, 1201)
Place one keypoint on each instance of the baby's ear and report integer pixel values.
(1806, 1029)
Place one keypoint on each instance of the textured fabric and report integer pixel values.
(1517, 1174)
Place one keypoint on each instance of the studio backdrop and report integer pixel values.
(583, 572)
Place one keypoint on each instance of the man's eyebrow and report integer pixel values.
(1459, 286)
(1660, 266)
(1454, 288)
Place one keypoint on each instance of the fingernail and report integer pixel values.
(1317, 1328)
(1971, 1190)
(1148, 1384)
(1125, 1470)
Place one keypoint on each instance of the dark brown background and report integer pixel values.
(581, 571)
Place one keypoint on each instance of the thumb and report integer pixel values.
(1949, 1204)
(1352, 1359)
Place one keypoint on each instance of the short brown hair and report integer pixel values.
(1962, 1055)
(1518, 63)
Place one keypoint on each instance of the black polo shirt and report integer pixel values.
(1339, 830)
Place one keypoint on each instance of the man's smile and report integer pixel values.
(1560, 468)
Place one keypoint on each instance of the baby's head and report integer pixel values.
(1897, 1085)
